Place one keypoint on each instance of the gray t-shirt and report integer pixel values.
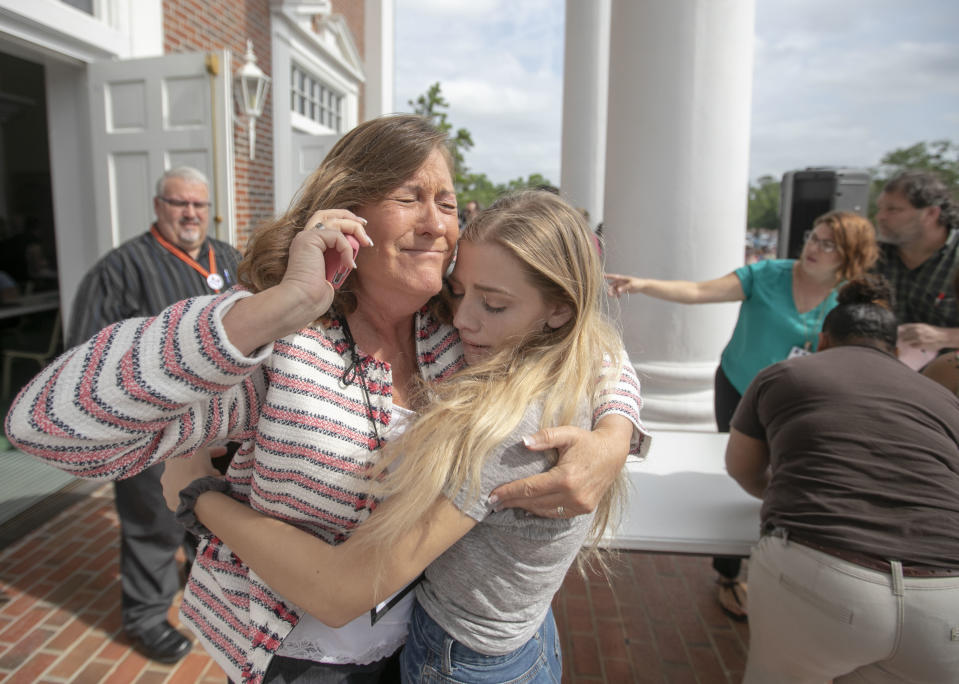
(491, 590)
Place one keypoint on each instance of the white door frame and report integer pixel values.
(64, 40)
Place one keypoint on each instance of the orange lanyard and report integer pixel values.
(213, 279)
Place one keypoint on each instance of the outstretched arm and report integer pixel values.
(335, 584)
(725, 289)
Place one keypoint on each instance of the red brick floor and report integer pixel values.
(656, 620)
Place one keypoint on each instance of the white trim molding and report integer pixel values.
(120, 28)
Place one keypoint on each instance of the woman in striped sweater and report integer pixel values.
(310, 382)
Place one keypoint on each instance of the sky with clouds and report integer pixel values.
(836, 82)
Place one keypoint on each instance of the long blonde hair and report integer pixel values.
(565, 369)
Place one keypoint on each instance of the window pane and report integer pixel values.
(82, 5)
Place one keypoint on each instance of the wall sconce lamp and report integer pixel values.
(251, 88)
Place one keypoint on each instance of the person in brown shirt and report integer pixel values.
(856, 458)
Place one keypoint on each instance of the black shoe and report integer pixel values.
(162, 643)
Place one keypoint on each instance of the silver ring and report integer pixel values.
(319, 226)
(560, 511)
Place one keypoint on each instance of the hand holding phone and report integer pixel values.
(336, 268)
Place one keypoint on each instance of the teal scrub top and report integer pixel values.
(769, 325)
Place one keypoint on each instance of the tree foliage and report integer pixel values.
(469, 186)
(432, 105)
(939, 156)
(763, 209)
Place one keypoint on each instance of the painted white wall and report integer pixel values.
(123, 28)
(680, 88)
(585, 91)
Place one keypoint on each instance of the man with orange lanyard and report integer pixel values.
(172, 261)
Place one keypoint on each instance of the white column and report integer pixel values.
(676, 182)
(585, 81)
(379, 57)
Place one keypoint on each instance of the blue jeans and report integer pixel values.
(432, 655)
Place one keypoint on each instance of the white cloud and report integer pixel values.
(501, 72)
(835, 82)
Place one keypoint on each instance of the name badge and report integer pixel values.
(798, 351)
(215, 281)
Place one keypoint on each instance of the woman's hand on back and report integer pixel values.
(589, 462)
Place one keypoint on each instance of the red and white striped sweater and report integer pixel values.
(144, 390)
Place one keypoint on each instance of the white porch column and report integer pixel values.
(676, 182)
(378, 40)
(585, 81)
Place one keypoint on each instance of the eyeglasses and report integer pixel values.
(826, 246)
(183, 204)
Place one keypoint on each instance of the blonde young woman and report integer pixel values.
(526, 293)
(784, 302)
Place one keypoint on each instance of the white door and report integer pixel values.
(307, 151)
(152, 114)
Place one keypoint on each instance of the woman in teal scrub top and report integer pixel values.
(784, 302)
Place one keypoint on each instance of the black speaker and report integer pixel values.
(806, 195)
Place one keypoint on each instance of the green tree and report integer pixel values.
(763, 208)
(432, 105)
(477, 187)
(939, 156)
(469, 186)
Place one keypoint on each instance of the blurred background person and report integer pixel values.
(916, 222)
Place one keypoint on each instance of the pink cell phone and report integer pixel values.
(336, 268)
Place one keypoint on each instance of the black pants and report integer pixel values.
(725, 400)
(283, 670)
(149, 538)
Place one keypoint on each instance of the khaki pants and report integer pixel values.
(814, 617)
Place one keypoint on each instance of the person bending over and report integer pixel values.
(856, 459)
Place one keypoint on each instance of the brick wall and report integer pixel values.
(201, 25)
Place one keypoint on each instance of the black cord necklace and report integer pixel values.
(355, 370)
(352, 372)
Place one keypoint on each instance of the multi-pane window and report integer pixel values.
(315, 100)
(82, 5)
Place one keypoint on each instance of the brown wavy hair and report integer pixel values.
(363, 167)
(855, 239)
